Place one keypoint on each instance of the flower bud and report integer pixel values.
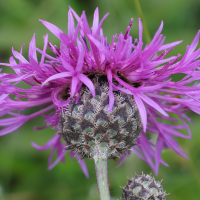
(143, 187)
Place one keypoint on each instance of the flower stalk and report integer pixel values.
(100, 161)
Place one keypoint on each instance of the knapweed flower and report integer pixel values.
(87, 71)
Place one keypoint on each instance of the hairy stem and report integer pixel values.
(100, 160)
(140, 14)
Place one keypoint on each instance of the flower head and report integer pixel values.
(143, 187)
(128, 67)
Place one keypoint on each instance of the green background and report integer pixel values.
(23, 170)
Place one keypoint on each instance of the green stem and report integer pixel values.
(100, 160)
(140, 14)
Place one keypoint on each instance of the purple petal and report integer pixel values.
(2, 97)
(19, 78)
(54, 29)
(152, 103)
(194, 43)
(100, 23)
(57, 76)
(58, 159)
(48, 145)
(11, 128)
(71, 26)
(138, 154)
(170, 45)
(66, 65)
(140, 30)
(75, 14)
(100, 47)
(159, 146)
(86, 27)
(142, 111)
(79, 64)
(157, 33)
(22, 48)
(72, 154)
(122, 160)
(54, 95)
(44, 48)
(19, 56)
(74, 85)
(32, 48)
(83, 166)
(12, 120)
(83, 78)
(111, 95)
(95, 21)
(171, 143)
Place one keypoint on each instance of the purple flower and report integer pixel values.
(143, 72)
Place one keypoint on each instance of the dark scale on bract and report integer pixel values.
(92, 125)
(143, 187)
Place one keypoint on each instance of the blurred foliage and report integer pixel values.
(23, 170)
